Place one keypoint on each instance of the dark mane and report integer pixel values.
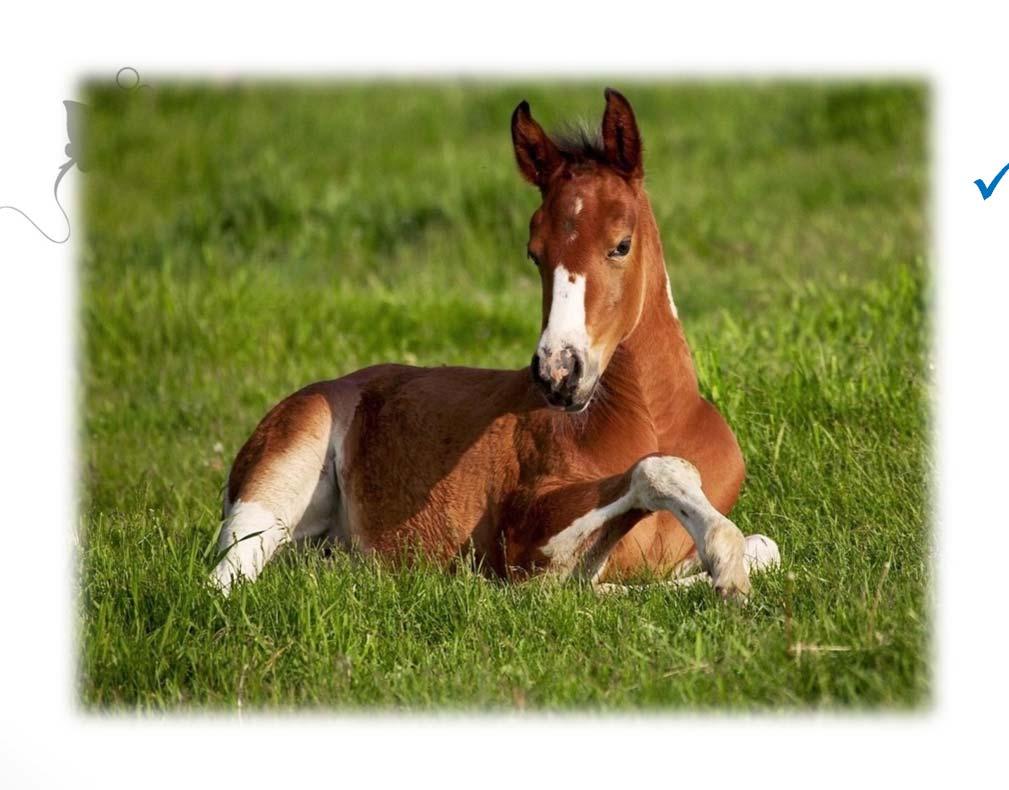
(580, 143)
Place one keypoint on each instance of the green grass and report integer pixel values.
(243, 241)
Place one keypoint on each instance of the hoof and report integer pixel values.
(735, 588)
(724, 552)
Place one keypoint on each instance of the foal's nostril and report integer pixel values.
(577, 366)
(558, 374)
(569, 368)
(566, 371)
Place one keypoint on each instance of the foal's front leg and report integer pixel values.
(654, 483)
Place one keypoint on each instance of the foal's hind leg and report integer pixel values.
(253, 530)
(284, 487)
(654, 483)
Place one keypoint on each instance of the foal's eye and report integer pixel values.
(621, 249)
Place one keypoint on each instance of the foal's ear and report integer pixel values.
(535, 152)
(621, 139)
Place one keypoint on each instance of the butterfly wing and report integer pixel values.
(76, 120)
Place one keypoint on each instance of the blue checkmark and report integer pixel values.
(987, 190)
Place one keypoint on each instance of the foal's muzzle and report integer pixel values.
(559, 376)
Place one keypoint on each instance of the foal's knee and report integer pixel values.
(658, 479)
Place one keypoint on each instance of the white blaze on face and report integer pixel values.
(566, 324)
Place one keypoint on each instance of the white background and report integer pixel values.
(46, 741)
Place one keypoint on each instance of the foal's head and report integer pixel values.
(584, 240)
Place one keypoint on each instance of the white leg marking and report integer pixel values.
(673, 484)
(761, 553)
(340, 527)
(250, 535)
(662, 483)
(564, 549)
(299, 495)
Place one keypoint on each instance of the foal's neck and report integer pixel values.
(652, 369)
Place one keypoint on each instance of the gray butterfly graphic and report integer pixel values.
(76, 121)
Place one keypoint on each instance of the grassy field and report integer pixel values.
(243, 241)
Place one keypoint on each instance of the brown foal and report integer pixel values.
(598, 461)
